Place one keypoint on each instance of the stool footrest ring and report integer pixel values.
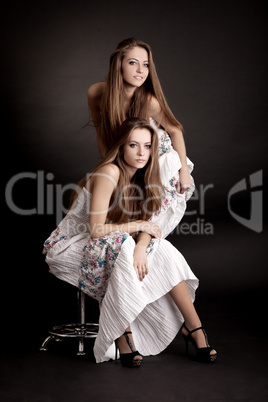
(88, 330)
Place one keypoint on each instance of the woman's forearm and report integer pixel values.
(149, 228)
(174, 131)
(143, 239)
(100, 229)
(179, 146)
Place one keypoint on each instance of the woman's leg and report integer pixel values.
(181, 296)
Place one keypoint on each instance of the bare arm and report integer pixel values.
(177, 142)
(140, 262)
(143, 239)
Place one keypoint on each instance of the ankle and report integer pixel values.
(123, 343)
(126, 347)
(192, 324)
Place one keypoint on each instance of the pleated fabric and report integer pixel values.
(173, 203)
(104, 269)
(146, 306)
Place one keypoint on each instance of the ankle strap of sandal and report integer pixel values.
(197, 329)
(190, 332)
(129, 341)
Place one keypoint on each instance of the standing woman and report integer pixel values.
(145, 287)
(132, 89)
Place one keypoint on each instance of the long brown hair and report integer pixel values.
(111, 108)
(136, 197)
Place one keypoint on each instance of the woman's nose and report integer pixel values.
(139, 68)
(141, 151)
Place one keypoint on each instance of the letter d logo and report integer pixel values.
(255, 221)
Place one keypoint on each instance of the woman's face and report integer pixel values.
(137, 150)
(135, 67)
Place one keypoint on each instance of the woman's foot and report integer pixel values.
(198, 337)
(129, 356)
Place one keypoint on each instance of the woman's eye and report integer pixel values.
(148, 146)
(132, 63)
(146, 65)
(132, 145)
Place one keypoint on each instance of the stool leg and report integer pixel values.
(43, 347)
(81, 307)
(81, 348)
(81, 316)
(80, 330)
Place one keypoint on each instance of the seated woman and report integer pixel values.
(144, 285)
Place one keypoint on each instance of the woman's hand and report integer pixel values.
(151, 228)
(185, 180)
(140, 261)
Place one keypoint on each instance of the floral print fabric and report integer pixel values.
(99, 257)
(171, 193)
(53, 239)
(164, 142)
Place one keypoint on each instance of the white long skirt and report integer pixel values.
(106, 273)
(125, 300)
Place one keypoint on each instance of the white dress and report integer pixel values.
(173, 204)
(103, 269)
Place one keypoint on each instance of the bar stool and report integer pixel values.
(80, 330)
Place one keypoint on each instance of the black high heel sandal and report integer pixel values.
(128, 359)
(203, 354)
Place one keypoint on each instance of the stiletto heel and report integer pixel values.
(116, 350)
(128, 359)
(186, 340)
(203, 354)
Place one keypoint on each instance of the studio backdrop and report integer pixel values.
(211, 61)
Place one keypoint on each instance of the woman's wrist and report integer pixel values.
(143, 240)
(140, 225)
(184, 167)
(141, 245)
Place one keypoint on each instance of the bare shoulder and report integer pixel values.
(95, 92)
(110, 172)
(105, 178)
(154, 106)
(111, 169)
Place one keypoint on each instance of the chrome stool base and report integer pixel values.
(80, 331)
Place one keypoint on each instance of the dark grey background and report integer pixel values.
(211, 61)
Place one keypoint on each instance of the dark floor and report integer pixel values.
(58, 375)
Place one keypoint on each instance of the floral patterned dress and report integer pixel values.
(99, 257)
(173, 203)
(103, 268)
